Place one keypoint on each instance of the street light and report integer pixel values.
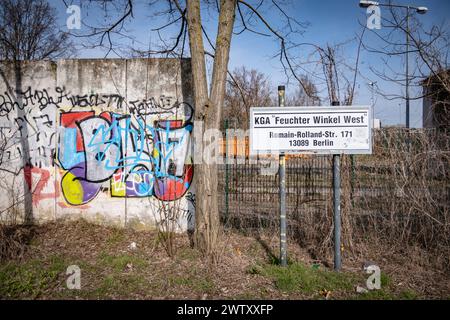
(366, 3)
(419, 10)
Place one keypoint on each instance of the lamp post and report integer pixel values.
(419, 10)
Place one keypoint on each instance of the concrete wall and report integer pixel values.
(106, 140)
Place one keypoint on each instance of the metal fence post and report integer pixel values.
(227, 167)
(353, 178)
(337, 207)
(282, 176)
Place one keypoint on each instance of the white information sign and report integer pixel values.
(329, 130)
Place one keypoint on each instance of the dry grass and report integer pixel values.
(394, 202)
(246, 269)
(14, 240)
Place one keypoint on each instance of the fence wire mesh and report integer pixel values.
(401, 192)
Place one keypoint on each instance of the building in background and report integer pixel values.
(436, 101)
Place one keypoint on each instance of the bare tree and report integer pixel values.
(338, 85)
(28, 30)
(305, 96)
(428, 51)
(329, 71)
(245, 89)
(185, 17)
(251, 88)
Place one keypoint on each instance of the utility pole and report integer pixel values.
(419, 10)
(407, 67)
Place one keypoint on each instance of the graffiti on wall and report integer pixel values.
(41, 99)
(138, 159)
(133, 149)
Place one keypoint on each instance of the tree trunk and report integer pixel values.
(28, 217)
(208, 111)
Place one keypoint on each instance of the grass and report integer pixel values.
(116, 236)
(31, 278)
(34, 278)
(387, 292)
(121, 261)
(200, 285)
(314, 281)
(118, 284)
(188, 253)
(408, 295)
(297, 277)
(110, 271)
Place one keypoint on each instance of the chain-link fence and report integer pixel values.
(400, 193)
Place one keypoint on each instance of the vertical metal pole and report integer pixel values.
(227, 167)
(353, 178)
(337, 208)
(282, 174)
(407, 68)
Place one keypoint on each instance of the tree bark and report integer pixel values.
(221, 58)
(28, 217)
(209, 111)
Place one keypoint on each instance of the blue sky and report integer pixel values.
(330, 21)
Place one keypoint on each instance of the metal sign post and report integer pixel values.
(337, 210)
(337, 207)
(282, 176)
(311, 130)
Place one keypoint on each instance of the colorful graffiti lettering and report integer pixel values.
(37, 180)
(139, 159)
